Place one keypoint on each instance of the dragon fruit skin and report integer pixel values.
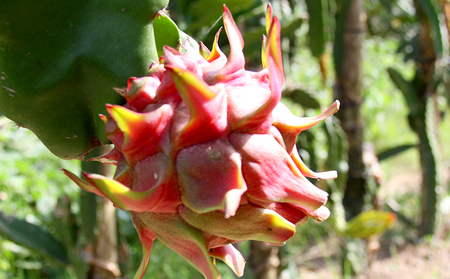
(206, 154)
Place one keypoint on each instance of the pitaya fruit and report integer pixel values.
(206, 154)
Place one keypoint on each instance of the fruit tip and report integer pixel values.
(121, 91)
(103, 117)
(338, 104)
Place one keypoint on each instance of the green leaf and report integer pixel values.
(289, 27)
(393, 151)
(88, 214)
(192, 42)
(166, 32)
(302, 97)
(369, 223)
(338, 46)
(253, 36)
(207, 12)
(60, 60)
(316, 31)
(32, 236)
(407, 89)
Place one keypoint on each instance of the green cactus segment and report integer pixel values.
(424, 124)
(407, 88)
(422, 121)
(60, 60)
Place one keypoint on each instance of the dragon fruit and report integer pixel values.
(206, 154)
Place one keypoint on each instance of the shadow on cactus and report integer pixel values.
(206, 154)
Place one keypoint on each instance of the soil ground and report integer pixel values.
(428, 259)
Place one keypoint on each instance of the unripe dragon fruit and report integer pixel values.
(206, 154)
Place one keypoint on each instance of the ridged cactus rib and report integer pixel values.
(206, 154)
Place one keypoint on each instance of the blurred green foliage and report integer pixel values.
(31, 183)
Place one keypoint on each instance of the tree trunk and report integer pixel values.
(348, 60)
(348, 64)
(105, 260)
(264, 260)
(102, 246)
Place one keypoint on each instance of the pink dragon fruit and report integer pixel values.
(206, 154)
